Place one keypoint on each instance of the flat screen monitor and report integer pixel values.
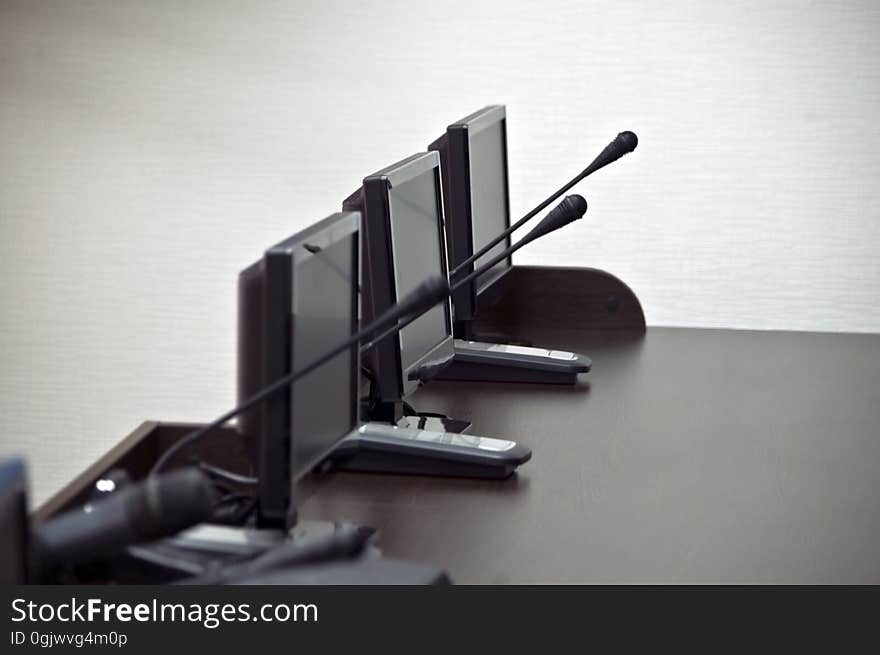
(473, 153)
(404, 243)
(295, 304)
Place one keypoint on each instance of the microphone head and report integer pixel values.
(159, 506)
(576, 206)
(623, 143)
(570, 209)
(628, 140)
(167, 503)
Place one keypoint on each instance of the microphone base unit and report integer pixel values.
(190, 551)
(366, 570)
(497, 362)
(212, 554)
(323, 553)
(385, 448)
(207, 546)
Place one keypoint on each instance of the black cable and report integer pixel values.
(238, 495)
(227, 475)
(234, 508)
(429, 414)
(369, 402)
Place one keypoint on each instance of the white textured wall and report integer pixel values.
(150, 150)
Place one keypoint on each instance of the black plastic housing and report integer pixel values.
(454, 150)
(14, 545)
(266, 291)
(379, 287)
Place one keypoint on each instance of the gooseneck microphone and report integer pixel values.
(430, 292)
(159, 506)
(623, 143)
(570, 209)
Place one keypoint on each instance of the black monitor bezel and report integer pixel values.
(391, 376)
(14, 522)
(454, 150)
(273, 280)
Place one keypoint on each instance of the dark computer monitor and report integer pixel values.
(13, 522)
(473, 153)
(404, 243)
(296, 303)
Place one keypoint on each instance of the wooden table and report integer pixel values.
(685, 456)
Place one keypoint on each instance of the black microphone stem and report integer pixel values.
(279, 384)
(476, 273)
(513, 228)
(393, 314)
(622, 144)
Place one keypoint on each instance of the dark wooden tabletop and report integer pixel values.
(685, 456)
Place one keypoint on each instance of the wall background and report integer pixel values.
(149, 151)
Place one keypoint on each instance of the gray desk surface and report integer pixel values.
(684, 456)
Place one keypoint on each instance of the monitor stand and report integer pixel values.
(491, 337)
(500, 362)
(403, 447)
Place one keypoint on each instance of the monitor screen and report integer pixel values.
(490, 213)
(418, 253)
(323, 409)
